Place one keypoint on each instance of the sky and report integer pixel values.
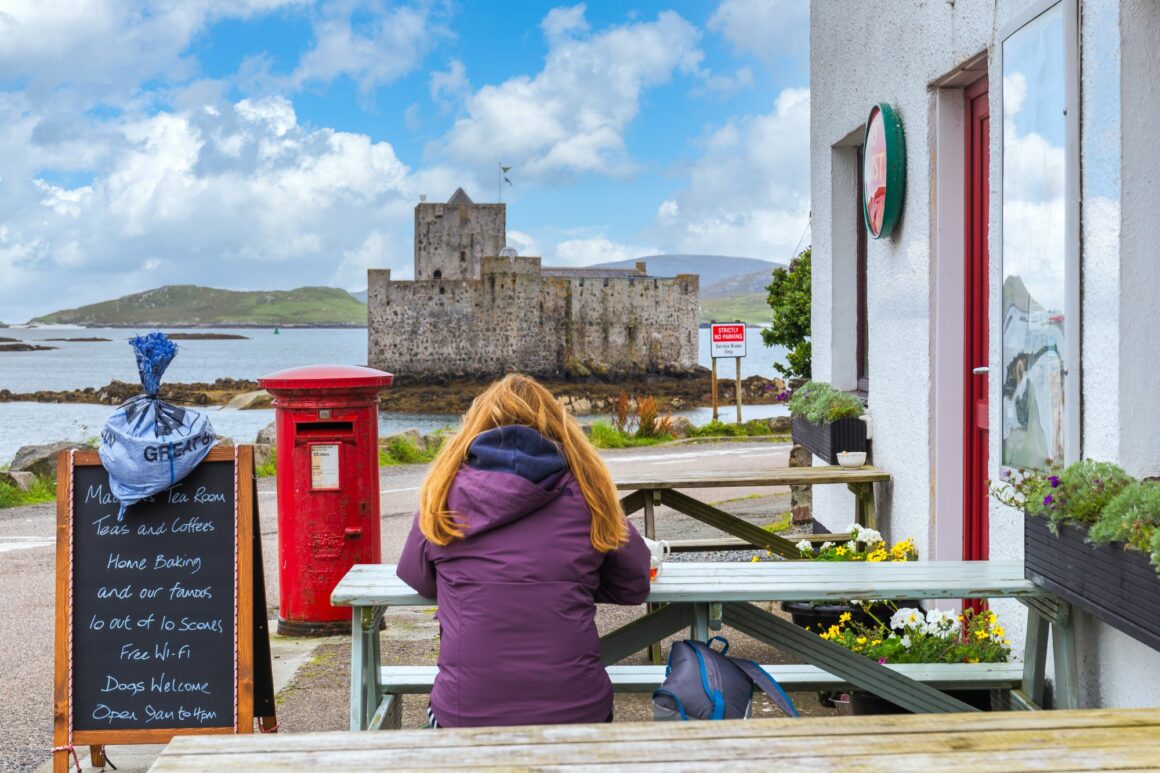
(273, 144)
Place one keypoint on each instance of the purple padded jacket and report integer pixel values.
(517, 595)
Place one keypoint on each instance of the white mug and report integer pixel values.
(658, 551)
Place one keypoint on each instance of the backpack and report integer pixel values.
(703, 683)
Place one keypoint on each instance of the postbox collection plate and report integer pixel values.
(324, 466)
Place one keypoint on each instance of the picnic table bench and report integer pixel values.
(652, 490)
(688, 593)
(1104, 739)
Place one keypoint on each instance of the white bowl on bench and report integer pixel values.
(851, 458)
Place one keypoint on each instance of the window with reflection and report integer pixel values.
(1034, 235)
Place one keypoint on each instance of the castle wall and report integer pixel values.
(515, 319)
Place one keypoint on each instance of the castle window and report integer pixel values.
(463, 256)
(437, 274)
(442, 290)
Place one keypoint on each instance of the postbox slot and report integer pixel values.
(324, 428)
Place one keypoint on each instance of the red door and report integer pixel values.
(975, 329)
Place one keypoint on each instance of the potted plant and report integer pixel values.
(864, 545)
(1092, 537)
(826, 420)
(910, 635)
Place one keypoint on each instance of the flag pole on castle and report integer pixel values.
(501, 178)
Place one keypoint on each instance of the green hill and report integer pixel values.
(190, 305)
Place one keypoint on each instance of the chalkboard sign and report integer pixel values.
(156, 613)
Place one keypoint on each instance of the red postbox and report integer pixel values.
(327, 422)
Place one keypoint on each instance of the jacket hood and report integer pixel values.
(510, 472)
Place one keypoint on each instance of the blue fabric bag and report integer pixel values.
(147, 445)
(703, 683)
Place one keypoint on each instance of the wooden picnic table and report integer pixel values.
(650, 491)
(688, 593)
(1100, 739)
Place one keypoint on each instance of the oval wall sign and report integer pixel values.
(884, 171)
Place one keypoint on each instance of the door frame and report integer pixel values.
(976, 331)
(947, 309)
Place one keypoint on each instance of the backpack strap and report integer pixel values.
(713, 694)
(767, 683)
(676, 701)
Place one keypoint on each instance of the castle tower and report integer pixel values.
(451, 239)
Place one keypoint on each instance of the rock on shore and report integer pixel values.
(581, 396)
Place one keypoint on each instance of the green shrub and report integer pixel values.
(603, 435)
(268, 468)
(1086, 487)
(403, 450)
(817, 402)
(715, 428)
(1132, 517)
(43, 490)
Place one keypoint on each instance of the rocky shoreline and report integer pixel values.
(582, 396)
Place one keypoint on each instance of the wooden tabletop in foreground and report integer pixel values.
(1121, 739)
(777, 476)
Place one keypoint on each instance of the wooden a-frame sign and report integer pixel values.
(161, 616)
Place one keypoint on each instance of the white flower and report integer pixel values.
(941, 623)
(869, 536)
(853, 529)
(907, 617)
(805, 546)
(905, 642)
(851, 545)
(826, 546)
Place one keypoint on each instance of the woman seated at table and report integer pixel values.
(519, 534)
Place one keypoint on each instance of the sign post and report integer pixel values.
(160, 618)
(727, 340)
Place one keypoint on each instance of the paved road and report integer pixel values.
(27, 568)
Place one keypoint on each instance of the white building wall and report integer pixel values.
(867, 52)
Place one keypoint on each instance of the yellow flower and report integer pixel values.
(972, 660)
(840, 550)
(753, 560)
(980, 635)
(834, 630)
(998, 632)
(845, 617)
(825, 635)
(877, 555)
(875, 642)
(1007, 642)
(861, 640)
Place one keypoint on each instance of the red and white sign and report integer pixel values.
(727, 340)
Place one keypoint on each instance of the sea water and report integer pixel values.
(77, 365)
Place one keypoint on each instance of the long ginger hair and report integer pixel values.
(518, 399)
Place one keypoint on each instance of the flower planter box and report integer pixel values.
(1119, 587)
(826, 440)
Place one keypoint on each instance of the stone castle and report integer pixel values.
(477, 309)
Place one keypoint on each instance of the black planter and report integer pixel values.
(1119, 587)
(819, 617)
(826, 440)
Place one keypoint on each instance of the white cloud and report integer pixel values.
(524, 243)
(749, 192)
(572, 116)
(369, 44)
(584, 252)
(768, 29)
(95, 50)
(451, 86)
(562, 23)
(240, 195)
